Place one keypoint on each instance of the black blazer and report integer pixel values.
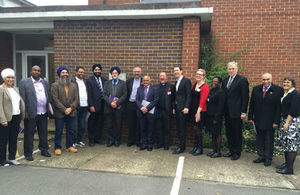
(121, 94)
(290, 105)
(183, 95)
(129, 84)
(95, 97)
(237, 96)
(169, 95)
(215, 103)
(152, 97)
(265, 111)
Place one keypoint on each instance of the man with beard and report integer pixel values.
(115, 93)
(96, 104)
(65, 102)
(35, 93)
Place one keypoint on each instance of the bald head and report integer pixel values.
(146, 80)
(36, 72)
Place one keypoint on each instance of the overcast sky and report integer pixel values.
(58, 2)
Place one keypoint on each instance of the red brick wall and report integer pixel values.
(271, 29)
(6, 50)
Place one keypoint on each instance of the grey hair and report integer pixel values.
(233, 63)
(267, 74)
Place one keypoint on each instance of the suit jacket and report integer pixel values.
(265, 111)
(27, 92)
(6, 105)
(61, 102)
(183, 95)
(237, 96)
(215, 103)
(152, 97)
(169, 95)
(73, 80)
(95, 97)
(121, 94)
(129, 84)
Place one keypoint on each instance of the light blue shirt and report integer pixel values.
(136, 84)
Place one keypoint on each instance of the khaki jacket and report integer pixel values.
(6, 105)
(61, 102)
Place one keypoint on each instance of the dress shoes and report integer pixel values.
(45, 153)
(91, 143)
(178, 151)
(198, 152)
(143, 147)
(98, 142)
(166, 148)
(283, 165)
(285, 170)
(210, 153)
(235, 157)
(227, 155)
(117, 144)
(193, 150)
(259, 160)
(29, 158)
(130, 144)
(109, 144)
(149, 148)
(267, 162)
(216, 155)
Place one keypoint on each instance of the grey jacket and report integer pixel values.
(28, 94)
(6, 105)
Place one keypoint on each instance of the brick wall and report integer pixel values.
(271, 29)
(6, 50)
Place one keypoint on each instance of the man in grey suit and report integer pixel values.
(114, 94)
(35, 93)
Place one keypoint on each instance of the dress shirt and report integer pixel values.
(15, 100)
(83, 98)
(267, 88)
(41, 99)
(230, 81)
(136, 84)
(178, 82)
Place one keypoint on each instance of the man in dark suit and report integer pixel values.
(96, 105)
(146, 101)
(164, 111)
(264, 112)
(236, 88)
(35, 93)
(183, 88)
(114, 94)
(132, 120)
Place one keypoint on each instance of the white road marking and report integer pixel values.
(177, 179)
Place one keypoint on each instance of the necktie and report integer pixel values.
(145, 93)
(229, 82)
(264, 93)
(99, 84)
(115, 82)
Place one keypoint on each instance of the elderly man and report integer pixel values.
(133, 122)
(65, 103)
(182, 104)
(96, 105)
(35, 93)
(146, 101)
(264, 112)
(164, 107)
(236, 88)
(114, 94)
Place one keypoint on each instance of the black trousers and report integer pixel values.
(9, 134)
(95, 125)
(181, 120)
(264, 143)
(163, 128)
(114, 125)
(133, 124)
(41, 122)
(147, 129)
(234, 134)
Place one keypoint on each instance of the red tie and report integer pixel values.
(265, 90)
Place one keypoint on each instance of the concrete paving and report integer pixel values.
(130, 160)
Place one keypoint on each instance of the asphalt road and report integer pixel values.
(31, 180)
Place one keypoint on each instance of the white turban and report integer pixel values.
(7, 72)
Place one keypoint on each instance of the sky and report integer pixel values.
(58, 2)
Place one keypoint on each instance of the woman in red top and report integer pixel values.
(200, 91)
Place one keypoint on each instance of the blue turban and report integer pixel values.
(115, 68)
(61, 69)
(96, 65)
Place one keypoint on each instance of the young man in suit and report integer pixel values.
(236, 88)
(96, 105)
(132, 120)
(114, 94)
(164, 111)
(183, 88)
(35, 93)
(146, 101)
(65, 103)
(264, 112)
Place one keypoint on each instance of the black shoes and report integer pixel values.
(285, 170)
(282, 166)
(149, 149)
(117, 144)
(178, 151)
(227, 155)
(130, 144)
(91, 143)
(193, 150)
(143, 147)
(259, 160)
(166, 148)
(235, 157)
(267, 162)
(210, 153)
(29, 158)
(45, 153)
(199, 151)
(216, 155)
(109, 144)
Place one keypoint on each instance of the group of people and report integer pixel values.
(148, 107)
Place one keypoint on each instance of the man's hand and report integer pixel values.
(113, 104)
(174, 112)
(144, 110)
(285, 126)
(275, 126)
(185, 111)
(4, 124)
(68, 111)
(243, 116)
(92, 109)
(197, 117)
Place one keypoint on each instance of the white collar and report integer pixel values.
(180, 78)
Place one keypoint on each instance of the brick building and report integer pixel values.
(155, 36)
